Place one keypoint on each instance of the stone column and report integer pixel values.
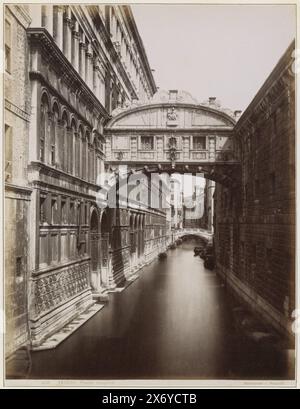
(96, 78)
(60, 27)
(36, 15)
(68, 26)
(89, 73)
(113, 28)
(83, 48)
(76, 37)
(211, 148)
(48, 10)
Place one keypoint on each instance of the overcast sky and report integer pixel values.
(210, 50)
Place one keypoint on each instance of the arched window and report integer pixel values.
(65, 142)
(98, 167)
(90, 166)
(44, 129)
(72, 157)
(94, 158)
(77, 153)
(54, 136)
(84, 155)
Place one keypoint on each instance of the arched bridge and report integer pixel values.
(201, 233)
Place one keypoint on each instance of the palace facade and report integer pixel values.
(67, 69)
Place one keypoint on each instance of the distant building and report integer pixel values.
(193, 209)
(176, 206)
(207, 221)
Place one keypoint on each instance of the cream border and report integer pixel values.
(124, 384)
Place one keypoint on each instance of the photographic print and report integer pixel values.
(149, 189)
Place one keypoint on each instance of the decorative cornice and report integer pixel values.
(140, 45)
(58, 173)
(197, 107)
(206, 130)
(21, 15)
(115, 55)
(41, 39)
(18, 189)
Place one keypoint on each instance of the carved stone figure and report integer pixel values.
(172, 114)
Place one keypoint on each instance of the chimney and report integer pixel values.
(173, 95)
(212, 100)
(237, 114)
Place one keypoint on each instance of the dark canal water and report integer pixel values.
(174, 322)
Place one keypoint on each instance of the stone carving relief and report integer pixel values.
(172, 114)
(52, 290)
(172, 117)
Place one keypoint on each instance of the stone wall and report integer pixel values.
(255, 221)
(17, 192)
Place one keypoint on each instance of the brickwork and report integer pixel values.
(17, 191)
(255, 224)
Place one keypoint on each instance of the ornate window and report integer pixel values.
(44, 130)
(84, 155)
(72, 155)
(43, 212)
(19, 267)
(64, 211)
(94, 161)
(54, 248)
(199, 142)
(72, 213)
(54, 136)
(54, 211)
(77, 154)
(147, 143)
(65, 143)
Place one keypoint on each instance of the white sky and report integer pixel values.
(209, 50)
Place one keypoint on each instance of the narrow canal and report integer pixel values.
(174, 322)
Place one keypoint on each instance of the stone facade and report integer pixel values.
(255, 220)
(171, 129)
(68, 68)
(207, 221)
(17, 190)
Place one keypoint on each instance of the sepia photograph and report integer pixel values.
(149, 193)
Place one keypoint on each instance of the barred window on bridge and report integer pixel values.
(147, 143)
(199, 142)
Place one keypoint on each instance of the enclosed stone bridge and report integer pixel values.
(173, 133)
